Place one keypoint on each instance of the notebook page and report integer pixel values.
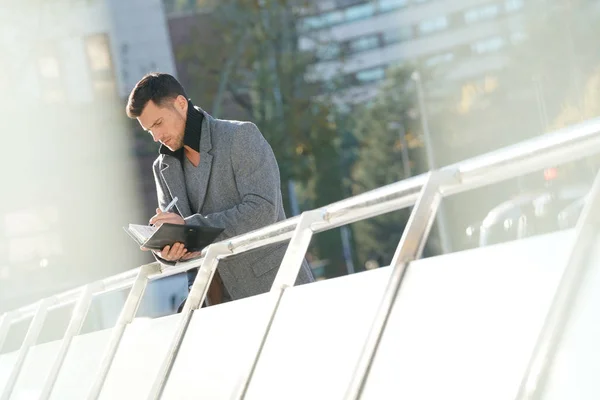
(142, 232)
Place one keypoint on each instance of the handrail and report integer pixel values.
(564, 145)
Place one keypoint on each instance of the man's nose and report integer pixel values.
(156, 136)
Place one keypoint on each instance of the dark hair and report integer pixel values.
(155, 86)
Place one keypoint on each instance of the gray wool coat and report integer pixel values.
(239, 190)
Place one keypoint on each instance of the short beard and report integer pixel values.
(182, 119)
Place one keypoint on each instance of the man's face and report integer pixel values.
(166, 123)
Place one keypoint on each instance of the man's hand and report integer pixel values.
(189, 256)
(166, 217)
(173, 253)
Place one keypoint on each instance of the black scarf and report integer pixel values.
(193, 131)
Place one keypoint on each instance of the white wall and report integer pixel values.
(137, 30)
(140, 40)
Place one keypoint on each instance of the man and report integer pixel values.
(224, 174)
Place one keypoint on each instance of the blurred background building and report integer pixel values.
(70, 181)
(332, 86)
(460, 40)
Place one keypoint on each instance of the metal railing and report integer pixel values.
(425, 191)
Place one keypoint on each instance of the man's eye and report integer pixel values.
(158, 123)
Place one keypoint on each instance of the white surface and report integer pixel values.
(317, 337)
(216, 349)
(143, 348)
(80, 366)
(464, 325)
(35, 369)
(7, 361)
(575, 372)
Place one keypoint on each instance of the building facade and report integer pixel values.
(75, 178)
(78, 51)
(457, 40)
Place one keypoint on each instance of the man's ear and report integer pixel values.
(181, 103)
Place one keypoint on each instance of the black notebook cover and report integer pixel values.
(194, 237)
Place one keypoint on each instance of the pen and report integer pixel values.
(171, 204)
(169, 207)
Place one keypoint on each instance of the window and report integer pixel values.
(100, 63)
(387, 5)
(433, 25)
(359, 12)
(310, 23)
(328, 52)
(481, 13)
(488, 45)
(364, 43)
(513, 5)
(397, 35)
(332, 18)
(370, 75)
(322, 20)
(49, 70)
(438, 59)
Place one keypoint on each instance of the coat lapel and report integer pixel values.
(172, 174)
(205, 157)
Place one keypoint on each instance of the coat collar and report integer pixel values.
(171, 169)
(196, 132)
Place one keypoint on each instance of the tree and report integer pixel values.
(382, 128)
(258, 66)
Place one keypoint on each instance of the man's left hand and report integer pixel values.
(189, 256)
(166, 217)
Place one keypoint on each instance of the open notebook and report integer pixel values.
(194, 237)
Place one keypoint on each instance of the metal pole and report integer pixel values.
(35, 327)
(194, 300)
(293, 198)
(345, 232)
(127, 314)
(404, 147)
(409, 249)
(5, 323)
(80, 311)
(404, 151)
(536, 376)
(441, 225)
(286, 277)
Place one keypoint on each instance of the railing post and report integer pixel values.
(80, 311)
(286, 277)
(409, 249)
(194, 300)
(586, 235)
(5, 323)
(35, 327)
(127, 314)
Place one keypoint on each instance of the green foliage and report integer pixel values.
(257, 65)
(378, 128)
